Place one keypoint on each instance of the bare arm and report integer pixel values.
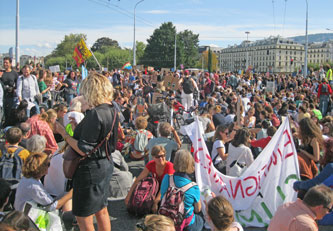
(142, 175)
(64, 199)
(197, 207)
(222, 154)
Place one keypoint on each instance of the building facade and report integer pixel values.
(320, 53)
(274, 54)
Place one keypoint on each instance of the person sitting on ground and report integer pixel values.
(40, 126)
(141, 125)
(55, 181)
(264, 141)
(221, 215)
(301, 215)
(36, 143)
(121, 179)
(238, 152)
(75, 112)
(30, 187)
(156, 223)
(25, 128)
(4, 196)
(17, 115)
(13, 137)
(19, 221)
(171, 146)
(184, 165)
(158, 167)
(218, 154)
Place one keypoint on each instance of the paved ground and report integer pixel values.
(122, 221)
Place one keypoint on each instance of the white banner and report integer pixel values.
(55, 68)
(265, 184)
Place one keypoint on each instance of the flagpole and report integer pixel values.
(100, 67)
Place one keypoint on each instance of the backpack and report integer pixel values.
(141, 140)
(172, 204)
(11, 165)
(188, 85)
(324, 88)
(143, 196)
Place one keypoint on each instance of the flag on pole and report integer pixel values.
(81, 53)
(84, 72)
(127, 66)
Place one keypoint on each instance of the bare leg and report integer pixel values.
(103, 220)
(86, 223)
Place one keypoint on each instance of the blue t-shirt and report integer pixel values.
(192, 195)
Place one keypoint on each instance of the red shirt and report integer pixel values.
(42, 128)
(261, 143)
(168, 169)
(329, 90)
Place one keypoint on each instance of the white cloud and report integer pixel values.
(42, 42)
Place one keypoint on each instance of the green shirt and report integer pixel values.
(42, 86)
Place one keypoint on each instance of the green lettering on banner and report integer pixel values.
(291, 177)
(267, 211)
(283, 197)
(253, 214)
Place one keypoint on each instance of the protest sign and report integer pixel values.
(263, 186)
(156, 97)
(55, 68)
(270, 87)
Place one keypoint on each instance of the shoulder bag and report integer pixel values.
(72, 159)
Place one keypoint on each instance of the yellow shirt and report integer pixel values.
(22, 154)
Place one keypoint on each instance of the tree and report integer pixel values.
(140, 50)
(213, 62)
(68, 44)
(116, 58)
(102, 43)
(187, 48)
(160, 48)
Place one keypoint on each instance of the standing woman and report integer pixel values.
(311, 138)
(70, 87)
(92, 177)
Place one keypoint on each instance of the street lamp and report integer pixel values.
(305, 71)
(134, 45)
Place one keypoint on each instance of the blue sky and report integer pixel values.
(44, 23)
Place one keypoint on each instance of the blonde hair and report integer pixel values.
(141, 122)
(157, 223)
(35, 165)
(96, 89)
(184, 162)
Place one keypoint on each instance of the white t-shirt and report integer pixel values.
(235, 152)
(55, 180)
(217, 144)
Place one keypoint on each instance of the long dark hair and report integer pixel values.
(309, 130)
(328, 155)
(241, 137)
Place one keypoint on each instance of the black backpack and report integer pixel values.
(11, 165)
(188, 85)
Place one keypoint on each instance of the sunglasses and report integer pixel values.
(329, 209)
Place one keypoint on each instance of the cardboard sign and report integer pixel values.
(156, 96)
(166, 70)
(154, 78)
(171, 82)
(55, 68)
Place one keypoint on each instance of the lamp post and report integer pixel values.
(134, 45)
(305, 71)
(247, 52)
(329, 44)
(17, 49)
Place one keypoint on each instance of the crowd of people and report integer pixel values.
(114, 117)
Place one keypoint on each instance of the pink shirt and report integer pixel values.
(42, 128)
(293, 216)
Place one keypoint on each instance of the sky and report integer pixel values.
(44, 23)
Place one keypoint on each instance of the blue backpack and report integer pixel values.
(11, 165)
